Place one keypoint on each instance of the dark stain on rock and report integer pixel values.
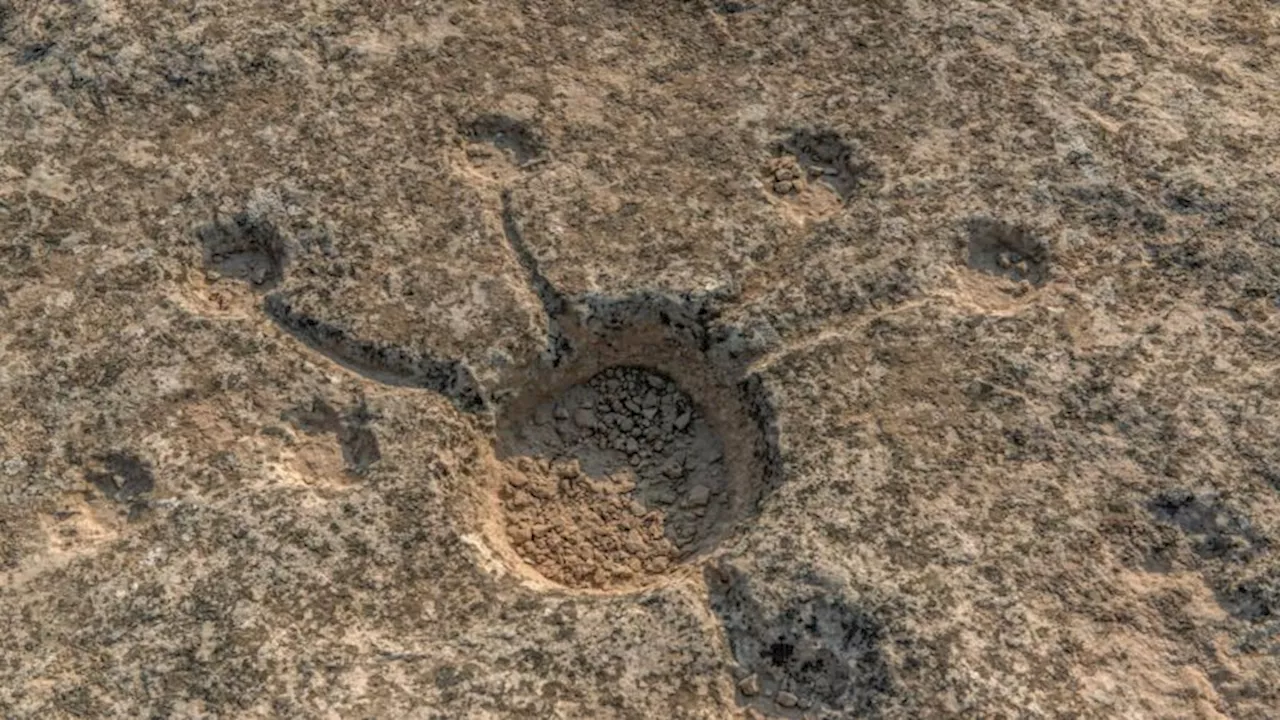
(359, 446)
(245, 247)
(314, 417)
(730, 7)
(35, 52)
(122, 477)
(819, 648)
(827, 158)
(1012, 251)
(360, 449)
(1216, 531)
(507, 134)
(1253, 598)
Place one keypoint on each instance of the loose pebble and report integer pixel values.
(652, 504)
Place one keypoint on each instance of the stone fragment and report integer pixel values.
(750, 685)
(682, 422)
(699, 495)
(585, 418)
(786, 699)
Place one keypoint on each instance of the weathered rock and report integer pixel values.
(992, 289)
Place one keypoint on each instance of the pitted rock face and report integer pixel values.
(615, 479)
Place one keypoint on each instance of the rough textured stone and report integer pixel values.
(980, 299)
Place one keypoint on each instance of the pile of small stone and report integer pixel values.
(653, 485)
(579, 531)
(644, 415)
(636, 412)
(786, 175)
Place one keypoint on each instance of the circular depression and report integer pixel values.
(619, 468)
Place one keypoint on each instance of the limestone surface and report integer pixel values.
(624, 360)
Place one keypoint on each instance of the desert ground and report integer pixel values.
(625, 360)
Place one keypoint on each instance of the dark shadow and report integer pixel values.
(1216, 531)
(1231, 548)
(826, 157)
(35, 52)
(314, 418)
(998, 248)
(1254, 598)
(384, 363)
(820, 648)
(360, 449)
(733, 7)
(509, 135)
(123, 478)
(245, 247)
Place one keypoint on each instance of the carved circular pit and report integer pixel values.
(630, 462)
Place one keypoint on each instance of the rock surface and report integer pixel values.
(960, 325)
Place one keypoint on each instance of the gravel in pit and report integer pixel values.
(618, 478)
